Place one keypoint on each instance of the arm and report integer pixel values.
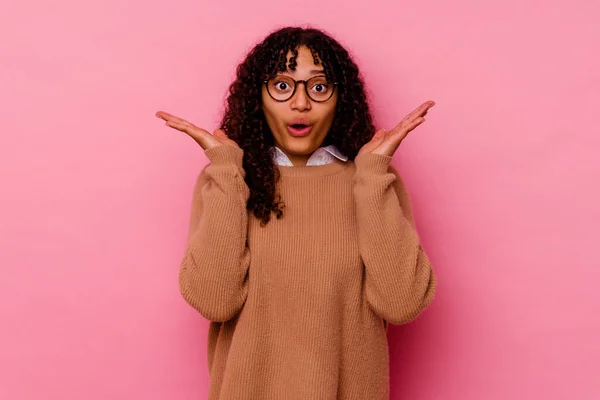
(399, 280)
(213, 273)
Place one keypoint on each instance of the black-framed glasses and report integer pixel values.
(283, 87)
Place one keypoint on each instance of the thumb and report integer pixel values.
(220, 133)
(378, 135)
(374, 142)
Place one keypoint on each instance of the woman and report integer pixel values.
(299, 304)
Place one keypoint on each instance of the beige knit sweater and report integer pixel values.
(299, 307)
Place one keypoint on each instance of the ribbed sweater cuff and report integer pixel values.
(223, 154)
(372, 163)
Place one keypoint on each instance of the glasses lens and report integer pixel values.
(280, 87)
(318, 88)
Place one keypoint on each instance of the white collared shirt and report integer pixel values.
(321, 156)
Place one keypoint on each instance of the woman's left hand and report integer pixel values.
(386, 143)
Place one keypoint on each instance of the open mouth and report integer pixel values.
(299, 129)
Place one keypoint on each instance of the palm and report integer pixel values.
(386, 143)
(205, 139)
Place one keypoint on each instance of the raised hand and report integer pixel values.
(201, 136)
(386, 143)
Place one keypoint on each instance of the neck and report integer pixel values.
(298, 161)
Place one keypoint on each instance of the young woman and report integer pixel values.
(299, 303)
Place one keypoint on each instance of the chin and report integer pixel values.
(300, 149)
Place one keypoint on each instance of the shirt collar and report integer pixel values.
(334, 151)
(321, 156)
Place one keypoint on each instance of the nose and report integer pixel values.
(300, 100)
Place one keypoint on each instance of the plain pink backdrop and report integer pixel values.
(95, 190)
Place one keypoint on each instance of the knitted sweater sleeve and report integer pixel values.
(399, 280)
(213, 273)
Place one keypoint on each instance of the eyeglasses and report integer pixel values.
(283, 87)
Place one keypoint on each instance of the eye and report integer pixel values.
(281, 84)
(320, 87)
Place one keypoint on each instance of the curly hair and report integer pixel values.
(244, 121)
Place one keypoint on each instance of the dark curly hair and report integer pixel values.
(245, 123)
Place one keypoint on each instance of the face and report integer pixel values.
(281, 115)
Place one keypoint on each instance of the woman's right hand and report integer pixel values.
(201, 136)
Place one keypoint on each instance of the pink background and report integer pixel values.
(504, 178)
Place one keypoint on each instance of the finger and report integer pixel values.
(176, 122)
(421, 110)
(400, 134)
(418, 112)
(183, 126)
(193, 131)
(164, 115)
(413, 124)
(169, 117)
